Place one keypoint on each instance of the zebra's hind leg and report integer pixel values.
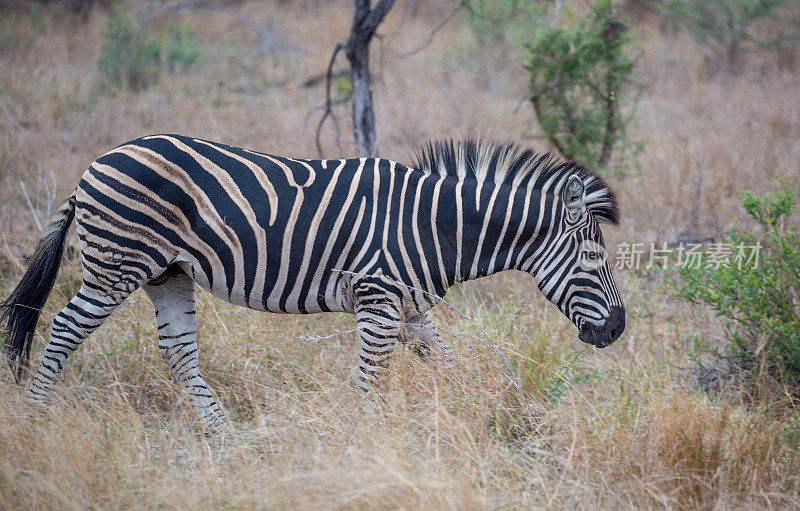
(173, 300)
(419, 333)
(84, 313)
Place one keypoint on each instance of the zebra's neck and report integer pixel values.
(486, 228)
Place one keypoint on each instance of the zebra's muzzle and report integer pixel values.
(605, 334)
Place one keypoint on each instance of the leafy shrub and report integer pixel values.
(132, 58)
(128, 57)
(579, 76)
(728, 24)
(759, 300)
(182, 48)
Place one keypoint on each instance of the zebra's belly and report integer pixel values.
(335, 300)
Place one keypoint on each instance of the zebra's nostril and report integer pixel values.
(616, 320)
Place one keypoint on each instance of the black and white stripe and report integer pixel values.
(368, 236)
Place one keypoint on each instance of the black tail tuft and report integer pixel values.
(20, 311)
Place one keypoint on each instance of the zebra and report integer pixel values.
(368, 236)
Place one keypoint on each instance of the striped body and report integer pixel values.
(367, 236)
(288, 235)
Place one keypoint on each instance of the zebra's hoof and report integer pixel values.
(216, 427)
(37, 401)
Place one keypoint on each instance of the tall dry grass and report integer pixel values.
(524, 416)
(585, 429)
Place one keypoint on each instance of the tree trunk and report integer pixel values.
(613, 29)
(732, 55)
(365, 22)
(363, 115)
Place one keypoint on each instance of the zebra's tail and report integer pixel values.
(21, 309)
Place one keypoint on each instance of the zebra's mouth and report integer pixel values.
(605, 334)
(594, 335)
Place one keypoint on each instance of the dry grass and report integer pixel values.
(587, 429)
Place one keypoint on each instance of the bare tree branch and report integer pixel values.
(328, 107)
(436, 29)
(375, 16)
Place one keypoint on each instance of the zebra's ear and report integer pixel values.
(573, 196)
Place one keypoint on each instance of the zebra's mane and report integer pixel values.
(508, 163)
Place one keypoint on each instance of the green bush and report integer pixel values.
(132, 58)
(182, 48)
(729, 24)
(580, 76)
(128, 57)
(758, 299)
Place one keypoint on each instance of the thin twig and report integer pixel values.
(330, 336)
(433, 32)
(34, 213)
(328, 106)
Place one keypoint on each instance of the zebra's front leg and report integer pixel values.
(173, 300)
(379, 327)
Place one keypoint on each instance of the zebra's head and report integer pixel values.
(564, 250)
(575, 274)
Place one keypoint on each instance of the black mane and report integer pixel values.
(510, 164)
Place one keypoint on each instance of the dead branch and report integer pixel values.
(314, 80)
(436, 29)
(329, 103)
